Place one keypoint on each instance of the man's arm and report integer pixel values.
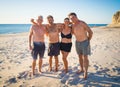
(30, 37)
(90, 33)
(32, 20)
(46, 29)
(60, 26)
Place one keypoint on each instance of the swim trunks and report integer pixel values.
(54, 49)
(83, 47)
(39, 49)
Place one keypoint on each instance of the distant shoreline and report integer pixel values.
(20, 28)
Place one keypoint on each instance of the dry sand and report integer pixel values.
(104, 68)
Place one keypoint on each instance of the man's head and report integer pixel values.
(50, 19)
(73, 17)
(40, 19)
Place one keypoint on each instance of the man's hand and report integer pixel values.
(32, 20)
(30, 47)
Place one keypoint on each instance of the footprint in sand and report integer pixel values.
(1, 62)
(94, 47)
(44, 65)
(23, 75)
(96, 67)
(11, 80)
(117, 69)
(73, 81)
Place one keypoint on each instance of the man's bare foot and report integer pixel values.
(50, 69)
(85, 75)
(56, 69)
(31, 74)
(40, 72)
(65, 70)
(79, 71)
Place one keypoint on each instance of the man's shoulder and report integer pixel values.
(33, 25)
(82, 22)
(46, 26)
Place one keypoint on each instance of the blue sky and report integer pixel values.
(91, 11)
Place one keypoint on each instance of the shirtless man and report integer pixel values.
(83, 36)
(36, 37)
(54, 45)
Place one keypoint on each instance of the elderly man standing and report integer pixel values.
(36, 37)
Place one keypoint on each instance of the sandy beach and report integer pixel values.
(104, 67)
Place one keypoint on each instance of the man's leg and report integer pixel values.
(85, 64)
(33, 66)
(56, 63)
(40, 64)
(50, 63)
(81, 64)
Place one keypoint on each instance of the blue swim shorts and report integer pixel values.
(39, 49)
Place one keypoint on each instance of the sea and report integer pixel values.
(20, 28)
